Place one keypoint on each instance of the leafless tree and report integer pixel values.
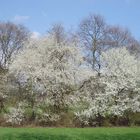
(134, 48)
(97, 36)
(118, 36)
(12, 38)
(57, 31)
(92, 33)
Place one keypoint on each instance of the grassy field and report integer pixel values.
(70, 133)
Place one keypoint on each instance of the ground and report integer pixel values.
(70, 133)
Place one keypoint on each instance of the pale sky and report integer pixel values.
(38, 15)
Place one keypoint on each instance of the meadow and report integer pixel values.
(114, 133)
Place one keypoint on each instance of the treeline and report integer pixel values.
(87, 77)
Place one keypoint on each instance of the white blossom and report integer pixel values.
(116, 90)
(15, 115)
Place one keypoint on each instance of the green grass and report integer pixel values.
(70, 133)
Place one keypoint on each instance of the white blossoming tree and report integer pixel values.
(116, 91)
(121, 71)
(15, 115)
(52, 71)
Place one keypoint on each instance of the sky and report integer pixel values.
(39, 15)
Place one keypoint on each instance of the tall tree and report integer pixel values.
(92, 34)
(12, 38)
